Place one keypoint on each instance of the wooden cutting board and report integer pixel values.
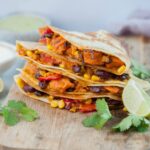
(62, 130)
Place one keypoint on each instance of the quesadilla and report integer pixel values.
(50, 82)
(63, 103)
(75, 69)
(90, 75)
(99, 49)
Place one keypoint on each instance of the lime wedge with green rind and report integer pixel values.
(135, 99)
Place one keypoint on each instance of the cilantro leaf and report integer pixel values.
(15, 111)
(91, 121)
(10, 117)
(134, 122)
(29, 114)
(17, 105)
(98, 119)
(140, 70)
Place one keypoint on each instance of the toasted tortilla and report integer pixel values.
(33, 46)
(101, 41)
(41, 98)
(39, 46)
(30, 69)
(82, 96)
(45, 98)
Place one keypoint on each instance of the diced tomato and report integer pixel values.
(43, 40)
(44, 58)
(71, 101)
(51, 77)
(85, 108)
(21, 52)
(112, 89)
(45, 30)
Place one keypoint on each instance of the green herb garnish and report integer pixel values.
(133, 122)
(99, 118)
(139, 70)
(15, 111)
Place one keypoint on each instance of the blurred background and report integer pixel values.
(20, 19)
(82, 15)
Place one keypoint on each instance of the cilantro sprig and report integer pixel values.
(140, 70)
(102, 116)
(99, 118)
(133, 122)
(15, 111)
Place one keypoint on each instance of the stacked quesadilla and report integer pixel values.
(71, 70)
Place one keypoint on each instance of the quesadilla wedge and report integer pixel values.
(57, 83)
(90, 75)
(98, 48)
(63, 103)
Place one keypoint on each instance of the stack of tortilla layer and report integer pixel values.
(71, 70)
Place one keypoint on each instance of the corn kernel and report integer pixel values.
(75, 52)
(20, 83)
(49, 47)
(61, 65)
(50, 98)
(29, 53)
(36, 52)
(124, 109)
(34, 56)
(54, 104)
(105, 59)
(121, 69)
(86, 76)
(95, 78)
(61, 104)
(73, 109)
(89, 101)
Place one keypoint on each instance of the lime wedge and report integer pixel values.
(1, 85)
(135, 99)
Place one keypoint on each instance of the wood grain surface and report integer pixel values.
(62, 130)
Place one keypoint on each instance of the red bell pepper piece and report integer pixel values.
(51, 77)
(85, 108)
(71, 101)
(45, 30)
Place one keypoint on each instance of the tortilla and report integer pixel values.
(46, 98)
(30, 81)
(100, 41)
(37, 46)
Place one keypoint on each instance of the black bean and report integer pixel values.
(67, 44)
(68, 106)
(70, 89)
(28, 88)
(95, 89)
(37, 75)
(43, 84)
(47, 35)
(124, 76)
(76, 68)
(114, 102)
(103, 74)
(39, 93)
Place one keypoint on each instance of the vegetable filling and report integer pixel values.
(89, 73)
(50, 81)
(58, 44)
(68, 104)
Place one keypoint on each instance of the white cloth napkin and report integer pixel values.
(138, 22)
